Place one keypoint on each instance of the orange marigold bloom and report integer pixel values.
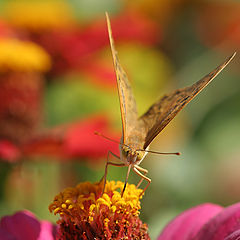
(87, 214)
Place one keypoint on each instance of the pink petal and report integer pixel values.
(186, 225)
(5, 235)
(222, 225)
(24, 226)
(47, 231)
(234, 236)
(21, 225)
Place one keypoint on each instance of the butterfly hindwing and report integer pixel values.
(166, 108)
(127, 101)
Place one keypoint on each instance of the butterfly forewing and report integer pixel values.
(166, 108)
(127, 102)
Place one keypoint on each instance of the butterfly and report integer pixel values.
(139, 132)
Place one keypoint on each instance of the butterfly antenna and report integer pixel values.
(101, 135)
(126, 180)
(162, 153)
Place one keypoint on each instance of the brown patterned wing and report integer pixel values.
(127, 102)
(164, 110)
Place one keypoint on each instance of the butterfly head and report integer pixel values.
(131, 155)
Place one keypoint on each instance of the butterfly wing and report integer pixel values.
(127, 102)
(165, 109)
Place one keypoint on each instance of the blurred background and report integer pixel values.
(57, 87)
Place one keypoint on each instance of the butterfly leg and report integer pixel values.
(106, 167)
(143, 177)
(125, 184)
(145, 172)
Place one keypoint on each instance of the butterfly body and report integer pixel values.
(139, 132)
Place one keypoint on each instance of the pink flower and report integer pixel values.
(25, 226)
(205, 222)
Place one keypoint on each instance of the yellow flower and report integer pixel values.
(87, 214)
(39, 15)
(23, 56)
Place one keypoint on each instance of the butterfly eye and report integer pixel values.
(126, 151)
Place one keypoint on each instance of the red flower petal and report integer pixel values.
(8, 151)
(103, 76)
(186, 225)
(80, 140)
(76, 140)
(44, 146)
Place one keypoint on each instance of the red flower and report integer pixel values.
(77, 140)
(71, 49)
(8, 151)
(80, 140)
(6, 30)
(21, 82)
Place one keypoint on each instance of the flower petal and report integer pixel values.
(21, 225)
(222, 225)
(8, 151)
(48, 231)
(234, 236)
(24, 226)
(5, 235)
(80, 140)
(186, 225)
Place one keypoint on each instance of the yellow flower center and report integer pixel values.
(86, 198)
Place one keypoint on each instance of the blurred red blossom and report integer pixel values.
(99, 73)
(6, 30)
(73, 49)
(8, 151)
(81, 141)
(76, 140)
(20, 105)
(21, 85)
